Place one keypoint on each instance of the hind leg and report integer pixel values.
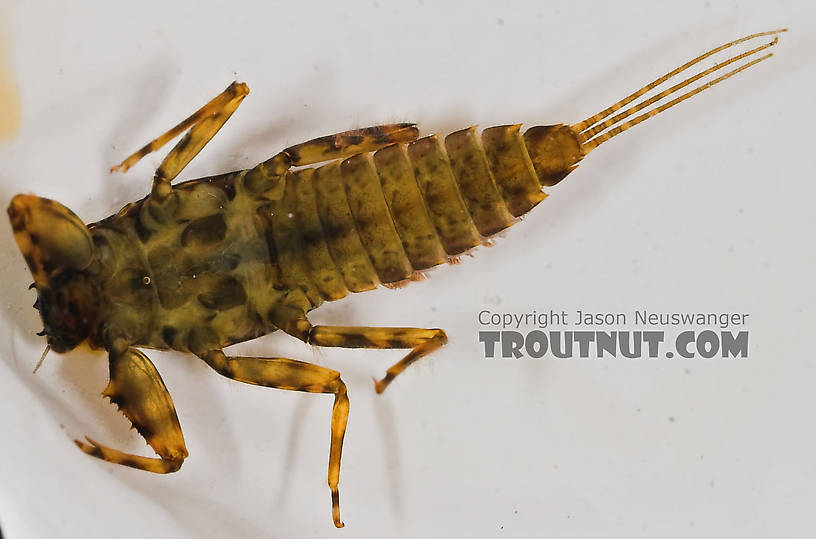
(282, 373)
(338, 146)
(420, 341)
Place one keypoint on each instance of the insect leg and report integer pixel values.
(348, 143)
(136, 387)
(337, 146)
(282, 373)
(421, 341)
(203, 123)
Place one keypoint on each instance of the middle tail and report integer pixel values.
(592, 132)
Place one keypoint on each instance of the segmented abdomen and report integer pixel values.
(379, 218)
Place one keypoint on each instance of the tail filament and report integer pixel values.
(592, 130)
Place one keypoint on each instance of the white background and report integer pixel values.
(706, 208)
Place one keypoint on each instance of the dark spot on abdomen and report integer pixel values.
(205, 231)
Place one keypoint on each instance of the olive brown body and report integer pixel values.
(208, 263)
(228, 265)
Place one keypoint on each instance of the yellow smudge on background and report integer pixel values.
(10, 108)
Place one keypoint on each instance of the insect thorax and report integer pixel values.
(202, 277)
